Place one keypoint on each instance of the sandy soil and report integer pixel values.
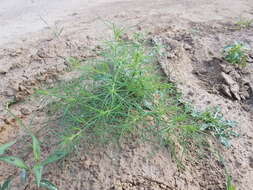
(18, 18)
(194, 32)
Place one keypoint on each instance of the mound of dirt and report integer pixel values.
(194, 62)
(192, 59)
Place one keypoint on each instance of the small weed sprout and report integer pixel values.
(244, 23)
(236, 53)
(229, 184)
(26, 170)
(6, 184)
(38, 163)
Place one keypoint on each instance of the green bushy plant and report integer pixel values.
(236, 54)
(123, 93)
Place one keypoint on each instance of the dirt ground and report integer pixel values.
(194, 33)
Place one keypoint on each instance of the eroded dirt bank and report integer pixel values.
(194, 34)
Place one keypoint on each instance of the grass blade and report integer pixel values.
(47, 184)
(57, 155)
(4, 147)
(230, 186)
(14, 161)
(38, 173)
(23, 176)
(6, 185)
(36, 148)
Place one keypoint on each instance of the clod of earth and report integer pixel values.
(4, 69)
(25, 111)
(232, 85)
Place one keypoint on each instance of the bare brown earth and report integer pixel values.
(194, 33)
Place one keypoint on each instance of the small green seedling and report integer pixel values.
(36, 169)
(230, 185)
(6, 185)
(236, 53)
(244, 23)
